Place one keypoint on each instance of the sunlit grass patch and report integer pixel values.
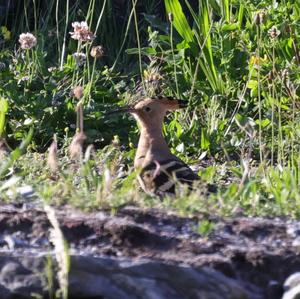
(237, 64)
(106, 181)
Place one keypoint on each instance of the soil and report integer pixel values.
(258, 252)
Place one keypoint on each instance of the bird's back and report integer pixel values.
(160, 177)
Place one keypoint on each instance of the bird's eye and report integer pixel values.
(147, 109)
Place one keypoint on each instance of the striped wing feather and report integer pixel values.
(161, 177)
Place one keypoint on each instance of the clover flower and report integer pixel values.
(27, 40)
(82, 32)
(52, 69)
(97, 52)
(23, 79)
(260, 18)
(273, 32)
(152, 75)
(80, 58)
(77, 92)
(153, 81)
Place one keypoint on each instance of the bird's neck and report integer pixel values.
(152, 146)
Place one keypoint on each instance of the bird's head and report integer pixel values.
(150, 112)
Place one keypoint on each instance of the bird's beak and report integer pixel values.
(120, 110)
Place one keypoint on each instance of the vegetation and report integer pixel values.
(237, 62)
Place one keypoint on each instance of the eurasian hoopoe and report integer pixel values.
(158, 169)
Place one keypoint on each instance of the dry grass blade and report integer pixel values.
(107, 186)
(4, 149)
(52, 156)
(61, 251)
(76, 146)
(90, 151)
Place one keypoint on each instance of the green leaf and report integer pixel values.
(264, 123)
(144, 51)
(16, 154)
(206, 59)
(230, 27)
(252, 84)
(205, 227)
(241, 15)
(225, 5)
(3, 111)
(155, 22)
(204, 140)
(180, 22)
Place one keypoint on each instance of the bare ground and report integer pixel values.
(259, 253)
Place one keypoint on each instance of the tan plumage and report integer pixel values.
(158, 168)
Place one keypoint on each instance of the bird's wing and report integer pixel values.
(161, 176)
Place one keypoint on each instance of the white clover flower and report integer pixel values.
(80, 58)
(82, 32)
(27, 40)
(273, 32)
(77, 92)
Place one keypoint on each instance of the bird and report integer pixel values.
(157, 168)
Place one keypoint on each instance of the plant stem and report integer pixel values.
(92, 79)
(174, 61)
(26, 15)
(273, 108)
(259, 93)
(57, 27)
(100, 17)
(35, 17)
(138, 40)
(65, 36)
(124, 40)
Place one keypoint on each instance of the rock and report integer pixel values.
(112, 278)
(17, 281)
(23, 191)
(296, 243)
(293, 293)
(274, 290)
(292, 281)
(293, 229)
(292, 287)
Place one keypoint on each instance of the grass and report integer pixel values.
(235, 61)
(99, 183)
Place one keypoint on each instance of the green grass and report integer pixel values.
(100, 183)
(240, 75)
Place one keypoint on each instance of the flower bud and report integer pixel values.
(77, 92)
(97, 52)
(259, 18)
